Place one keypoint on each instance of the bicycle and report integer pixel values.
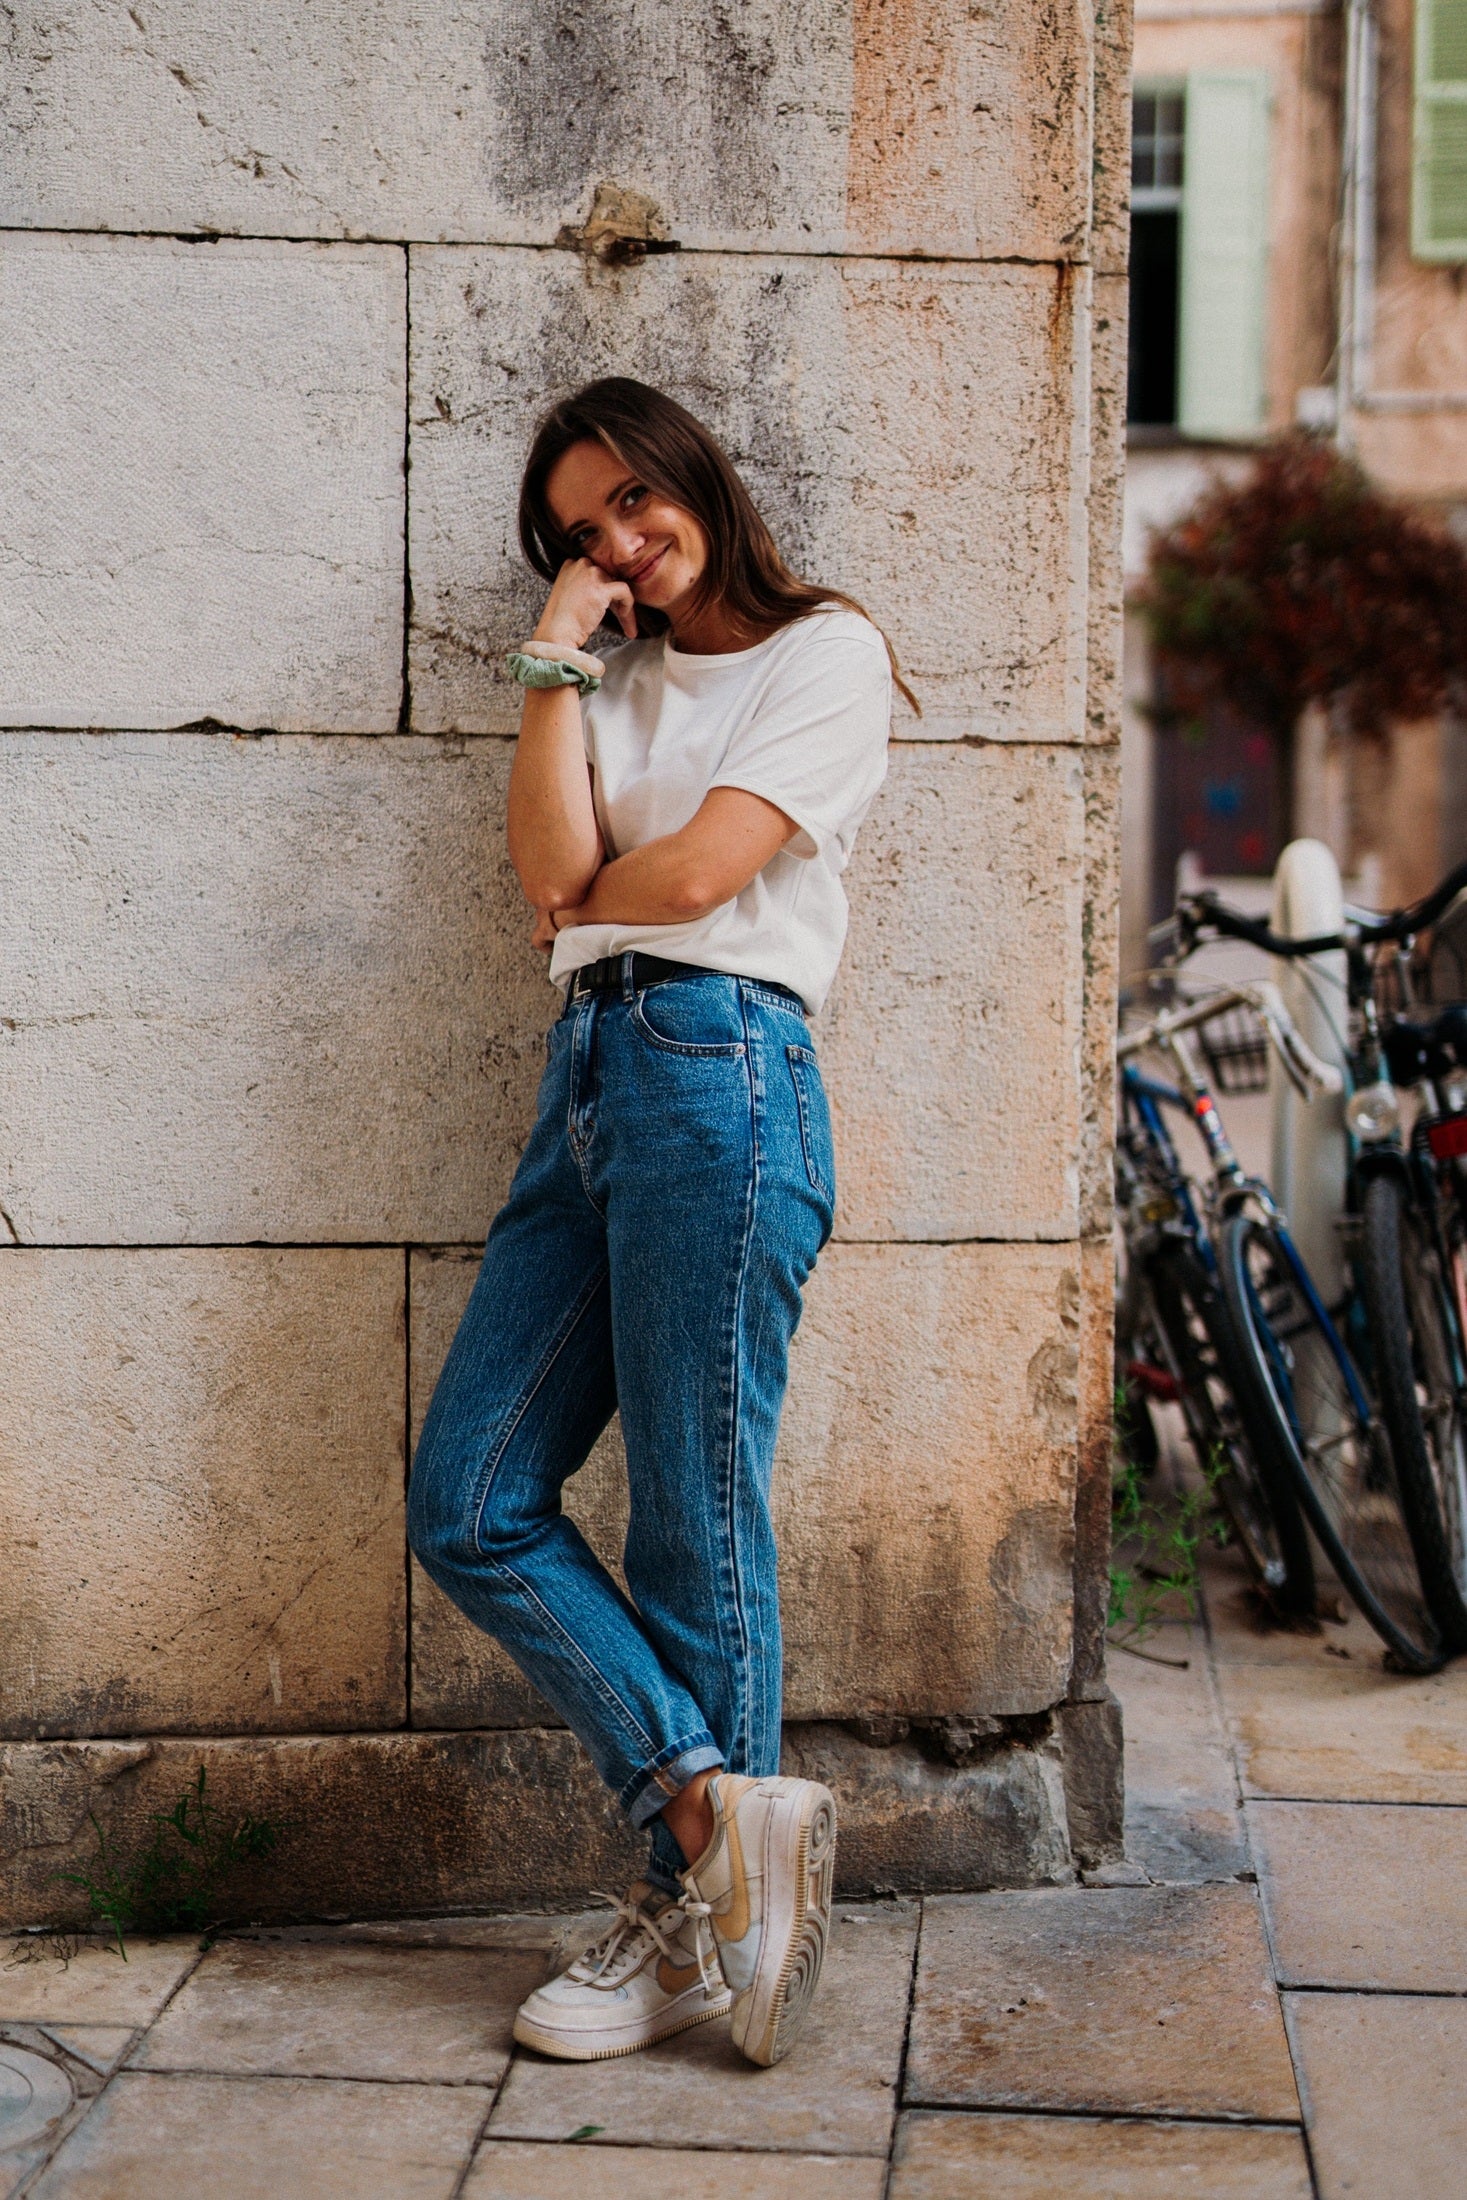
(1172, 1308)
(1405, 1239)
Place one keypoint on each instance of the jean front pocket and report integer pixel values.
(692, 1016)
(814, 1111)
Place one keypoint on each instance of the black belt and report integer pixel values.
(607, 975)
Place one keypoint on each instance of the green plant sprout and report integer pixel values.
(178, 1881)
(1162, 1542)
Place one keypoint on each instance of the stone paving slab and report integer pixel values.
(437, 2016)
(1384, 2084)
(92, 1985)
(1346, 1733)
(100, 2046)
(152, 2137)
(1364, 1894)
(835, 2095)
(545, 1930)
(513, 2170)
(1094, 2000)
(945, 2156)
(1182, 1817)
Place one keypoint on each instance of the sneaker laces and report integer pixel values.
(622, 1947)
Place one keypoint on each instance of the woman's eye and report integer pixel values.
(632, 499)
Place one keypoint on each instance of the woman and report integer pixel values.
(679, 817)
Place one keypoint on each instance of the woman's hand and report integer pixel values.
(545, 930)
(579, 601)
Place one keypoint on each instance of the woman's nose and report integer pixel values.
(626, 545)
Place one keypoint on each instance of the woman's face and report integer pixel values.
(610, 517)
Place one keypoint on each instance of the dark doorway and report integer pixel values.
(1151, 361)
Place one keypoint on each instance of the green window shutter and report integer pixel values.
(1224, 252)
(1439, 136)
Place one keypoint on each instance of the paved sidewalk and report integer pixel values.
(1147, 2041)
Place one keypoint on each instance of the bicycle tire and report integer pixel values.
(1259, 1503)
(1311, 1411)
(1411, 1332)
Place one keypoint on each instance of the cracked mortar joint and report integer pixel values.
(622, 227)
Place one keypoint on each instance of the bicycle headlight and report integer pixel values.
(1373, 1112)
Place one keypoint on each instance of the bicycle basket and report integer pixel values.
(1236, 1047)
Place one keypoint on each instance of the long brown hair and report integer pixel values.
(674, 454)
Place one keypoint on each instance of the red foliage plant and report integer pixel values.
(1300, 584)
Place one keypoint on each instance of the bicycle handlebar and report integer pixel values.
(1197, 910)
(1302, 1066)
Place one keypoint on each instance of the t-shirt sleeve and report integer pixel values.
(815, 746)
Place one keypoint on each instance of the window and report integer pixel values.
(1157, 117)
(1439, 153)
(1199, 205)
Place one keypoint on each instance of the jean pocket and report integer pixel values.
(695, 1016)
(814, 1113)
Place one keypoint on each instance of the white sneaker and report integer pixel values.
(766, 1880)
(651, 1973)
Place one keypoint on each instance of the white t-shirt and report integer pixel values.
(801, 719)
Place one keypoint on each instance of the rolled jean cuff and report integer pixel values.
(654, 1785)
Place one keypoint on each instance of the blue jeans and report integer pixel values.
(676, 1189)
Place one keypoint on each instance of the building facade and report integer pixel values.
(285, 288)
(1299, 235)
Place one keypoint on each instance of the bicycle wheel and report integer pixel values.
(1307, 1395)
(1204, 1358)
(1413, 1329)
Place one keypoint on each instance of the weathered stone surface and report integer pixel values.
(837, 2095)
(957, 514)
(1402, 1926)
(1316, 1728)
(1088, 2001)
(284, 988)
(911, 1826)
(262, 989)
(203, 490)
(949, 132)
(1094, 1463)
(1385, 2098)
(367, 1823)
(1110, 213)
(951, 1040)
(1090, 1744)
(440, 2016)
(1108, 336)
(508, 2169)
(1182, 1817)
(923, 1493)
(951, 2157)
(1100, 944)
(258, 2138)
(202, 1486)
(88, 1984)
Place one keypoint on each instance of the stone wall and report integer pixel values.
(284, 288)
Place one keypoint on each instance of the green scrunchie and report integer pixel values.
(548, 672)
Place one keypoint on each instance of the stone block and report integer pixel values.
(1403, 1928)
(514, 2169)
(1182, 1816)
(951, 1041)
(84, 1988)
(1108, 338)
(1090, 1741)
(1384, 2097)
(201, 1478)
(1110, 212)
(1085, 2001)
(923, 1490)
(431, 2016)
(837, 2095)
(951, 131)
(382, 1825)
(909, 1825)
(1094, 1461)
(956, 514)
(944, 2156)
(282, 988)
(277, 988)
(248, 2138)
(1099, 946)
(203, 499)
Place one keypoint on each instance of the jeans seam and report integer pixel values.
(522, 1404)
(741, 1735)
(727, 1052)
(607, 1692)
